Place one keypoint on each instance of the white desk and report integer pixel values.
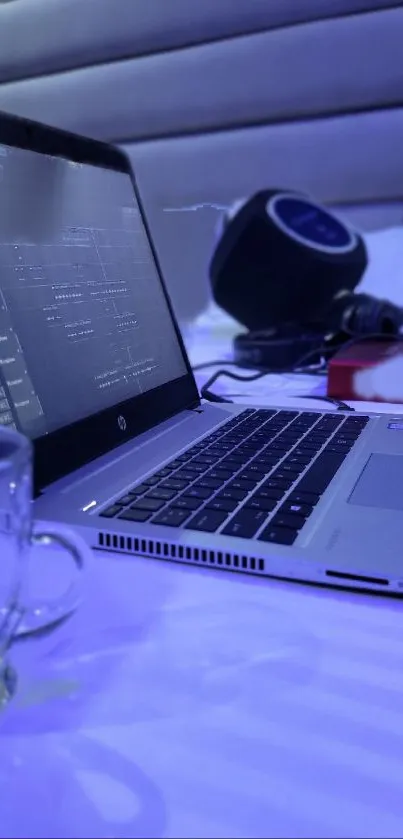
(181, 702)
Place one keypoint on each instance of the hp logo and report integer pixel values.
(122, 423)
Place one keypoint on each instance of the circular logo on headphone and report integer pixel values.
(309, 224)
(122, 423)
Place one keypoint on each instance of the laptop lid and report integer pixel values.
(90, 352)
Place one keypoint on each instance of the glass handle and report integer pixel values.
(39, 616)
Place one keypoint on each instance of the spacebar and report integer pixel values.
(318, 477)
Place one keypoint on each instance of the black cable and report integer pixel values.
(206, 393)
(221, 361)
(340, 405)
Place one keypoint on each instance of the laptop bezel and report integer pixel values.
(63, 451)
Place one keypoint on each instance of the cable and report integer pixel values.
(221, 361)
(206, 393)
(341, 406)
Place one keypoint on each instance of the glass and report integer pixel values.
(17, 536)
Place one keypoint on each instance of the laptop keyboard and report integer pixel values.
(259, 476)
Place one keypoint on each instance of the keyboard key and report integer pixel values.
(172, 517)
(266, 504)
(329, 419)
(233, 464)
(277, 484)
(209, 483)
(176, 464)
(160, 492)
(299, 452)
(288, 438)
(221, 475)
(322, 471)
(299, 458)
(253, 478)
(199, 492)
(278, 535)
(342, 441)
(228, 468)
(227, 505)
(151, 481)
(245, 450)
(274, 493)
(260, 438)
(136, 515)
(255, 467)
(196, 468)
(173, 483)
(152, 504)
(329, 425)
(292, 468)
(268, 466)
(283, 478)
(317, 442)
(185, 503)
(219, 451)
(163, 473)
(303, 424)
(255, 472)
(268, 456)
(266, 413)
(268, 453)
(291, 520)
(207, 521)
(242, 483)
(279, 447)
(353, 421)
(294, 507)
(139, 490)
(348, 434)
(287, 415)
(125, 500)
(306, 446)
(233, 494)
(304, 498)
(234, 459)
(112, 511)
(245, 523)
(338, 449)
(185, 475)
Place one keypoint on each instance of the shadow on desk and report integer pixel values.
(81, 789)
(215, 698)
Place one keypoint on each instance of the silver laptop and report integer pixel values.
(94, 370)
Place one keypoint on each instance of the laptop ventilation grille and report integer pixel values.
(180, 553)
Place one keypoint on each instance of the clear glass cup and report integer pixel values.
(17, 535)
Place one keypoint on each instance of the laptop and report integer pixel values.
(93, 369)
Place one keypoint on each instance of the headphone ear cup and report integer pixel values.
(281, 259)
(370, 316)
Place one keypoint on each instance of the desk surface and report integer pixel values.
(187, 702)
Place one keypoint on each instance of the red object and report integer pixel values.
(357, 357)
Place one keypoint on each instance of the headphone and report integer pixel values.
(285, 263)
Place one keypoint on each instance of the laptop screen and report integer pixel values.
(84, 322)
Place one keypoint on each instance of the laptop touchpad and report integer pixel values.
(381, 483)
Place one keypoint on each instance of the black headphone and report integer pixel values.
(283, 261)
